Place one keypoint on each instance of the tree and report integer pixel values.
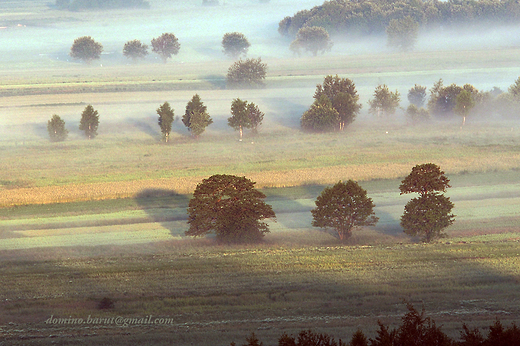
(430, 213)
(86, 49)
(343, 207)
(230, 207)
(89, 121)
(166, 45)
(246, 73)
(463, 104)
(196, 117)
(402, 33)
(443, 99)
(56, 129)
(425, 178)
(321, 116)
(384, 101)
(235, 44)
(417, 95)
(239, 116)
(358, 339)
(343, 96)
(135, 49)
(417, 115)
(166, 118)
(313, 39)
(256, 116)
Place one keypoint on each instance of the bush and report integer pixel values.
(247, 73)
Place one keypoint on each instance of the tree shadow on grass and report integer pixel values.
(166, 207)
(218, 81)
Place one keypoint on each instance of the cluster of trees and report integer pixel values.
(76, 5)
(415, 330)
(244, 115)
(336, 103)
(372, 16)
(232, 209)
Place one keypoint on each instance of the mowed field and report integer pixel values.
(83, 220)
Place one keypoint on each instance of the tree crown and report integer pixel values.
(85, 48)
(425, 178)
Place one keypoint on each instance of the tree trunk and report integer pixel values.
(240, 130)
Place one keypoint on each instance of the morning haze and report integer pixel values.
(95, 229)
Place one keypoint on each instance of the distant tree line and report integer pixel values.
(415, 330)
(76, 5)
(374, 16)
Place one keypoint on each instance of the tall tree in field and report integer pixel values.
(463, 105)
(313, 39)
(343, 207)
(166, 118)
(402, 33)
(235, 44)
(196, 117)
(247, 73)
(135, 49)
(166, 45)
(56, 129)
(86, 49)
(343, 96)
(429, 214)
(230, 207)
(239, 116)
(384, 102)
(89, 122)
(256, 116)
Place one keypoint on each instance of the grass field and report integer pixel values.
(83, 220)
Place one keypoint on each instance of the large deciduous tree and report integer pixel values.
(231, 208)
(384, 102)
(56, 129)
(343, 96)
(313, 39)
(166, 45)
(235, 44)
(89, 122)
(165, 121)
(86, 49)
(135, 49)
(196, 117)
(246, 73)
(343, 207)
(429, 214)
(402, 33)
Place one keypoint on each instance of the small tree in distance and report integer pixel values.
(235, 44)
(343, 207)
(239, 118)
(321, 116)
(89, 121)
(231, 207)
(135, 49)
(463, 105)
(402, 33)
(256, 116)
(196, 117)
(384, 102)
(166, 45)
(56, 129)
(246, 73)
(166, 118)
(417, 95)
(313, 39)
(86, 49)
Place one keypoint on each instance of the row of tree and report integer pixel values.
(87, 49)
(372, 16)
(244, 115)
(336, 103)
(415, 330)
(232, 209)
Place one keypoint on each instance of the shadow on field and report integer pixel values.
(166, 207)
(290, 112)
(145, 127)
